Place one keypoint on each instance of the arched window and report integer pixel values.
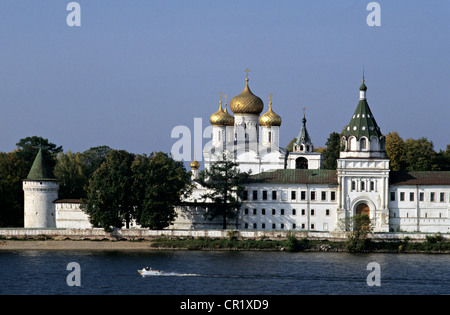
(301, 163)
(363, 144)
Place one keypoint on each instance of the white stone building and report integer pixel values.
(300, 196)
(287, 190)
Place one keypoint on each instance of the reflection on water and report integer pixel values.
(115, 272)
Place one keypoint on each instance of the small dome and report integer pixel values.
(221, 118)
(246, 102)
(269, 118)
(363, 87)
(195, 165)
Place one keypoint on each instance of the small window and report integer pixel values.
(303, 212)
(411, 196)
(442, 197)
(372, 185)
(312, 226)
(255, 195)
(421, 196)
(333, 196)
(282, 211)
(293, 195)
(273, 226)
(263, 211)
(303, 225)
(245, 195)
(363, 143)
(282, 226)
(432, 197)
(402, 196)
(254, 211)
(327, 212)
(312, 211)
(263, 226)
(254, 226)
(264, 197)
(274, 195)
(363, 185)
(274, 211)
(392, 195)
(313, 195)
(246, 211)
(324, 195)
(353, 185)
(294, 212)
(294, 226)
(246, 225)
(303, 195)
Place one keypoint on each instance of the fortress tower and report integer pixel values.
(41, 190)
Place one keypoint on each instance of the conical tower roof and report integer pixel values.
(41, 169)
(303, 136)
(363, 123)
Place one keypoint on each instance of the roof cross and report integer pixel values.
(247, 71)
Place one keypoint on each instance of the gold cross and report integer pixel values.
(246, 70)
(304, 110)
(270, 97)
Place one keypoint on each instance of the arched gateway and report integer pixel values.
(363, 208)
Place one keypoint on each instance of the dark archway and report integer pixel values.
(301, 163)
(363, 209)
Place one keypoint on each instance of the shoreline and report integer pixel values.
(73, 245)
(149, 245)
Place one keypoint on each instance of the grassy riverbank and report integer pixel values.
(434, 244)
(292, 244)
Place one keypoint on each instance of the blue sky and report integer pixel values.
(134, 70)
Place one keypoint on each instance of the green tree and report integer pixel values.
(93, 158)
(69, 170)
(28, 148)
(331, 153)
(420, 155)
(395, 151)
(224, 182)
(357, 229)
(13, 170)
(159, 182)
(110, 200)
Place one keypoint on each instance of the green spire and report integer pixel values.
(363, 123)
(303, 136)
(41, 170)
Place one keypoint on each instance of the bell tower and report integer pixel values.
(363, 169)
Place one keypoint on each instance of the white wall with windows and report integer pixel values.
(419, 208)
(300, 207)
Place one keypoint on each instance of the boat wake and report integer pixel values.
(153, 273)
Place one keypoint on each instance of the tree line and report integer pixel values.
(115, 187)
(404, 155)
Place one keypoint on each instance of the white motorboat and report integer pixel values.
(149, 272)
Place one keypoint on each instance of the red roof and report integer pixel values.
(419, 178)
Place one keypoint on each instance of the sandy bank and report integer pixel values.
(73, 245)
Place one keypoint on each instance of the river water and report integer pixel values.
(221, 273)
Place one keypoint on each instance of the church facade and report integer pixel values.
(288, 189)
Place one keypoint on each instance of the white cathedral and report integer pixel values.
(288, 189)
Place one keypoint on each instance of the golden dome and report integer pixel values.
(246, 102)
(221, 117)
(195, 165)
(269, 118)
